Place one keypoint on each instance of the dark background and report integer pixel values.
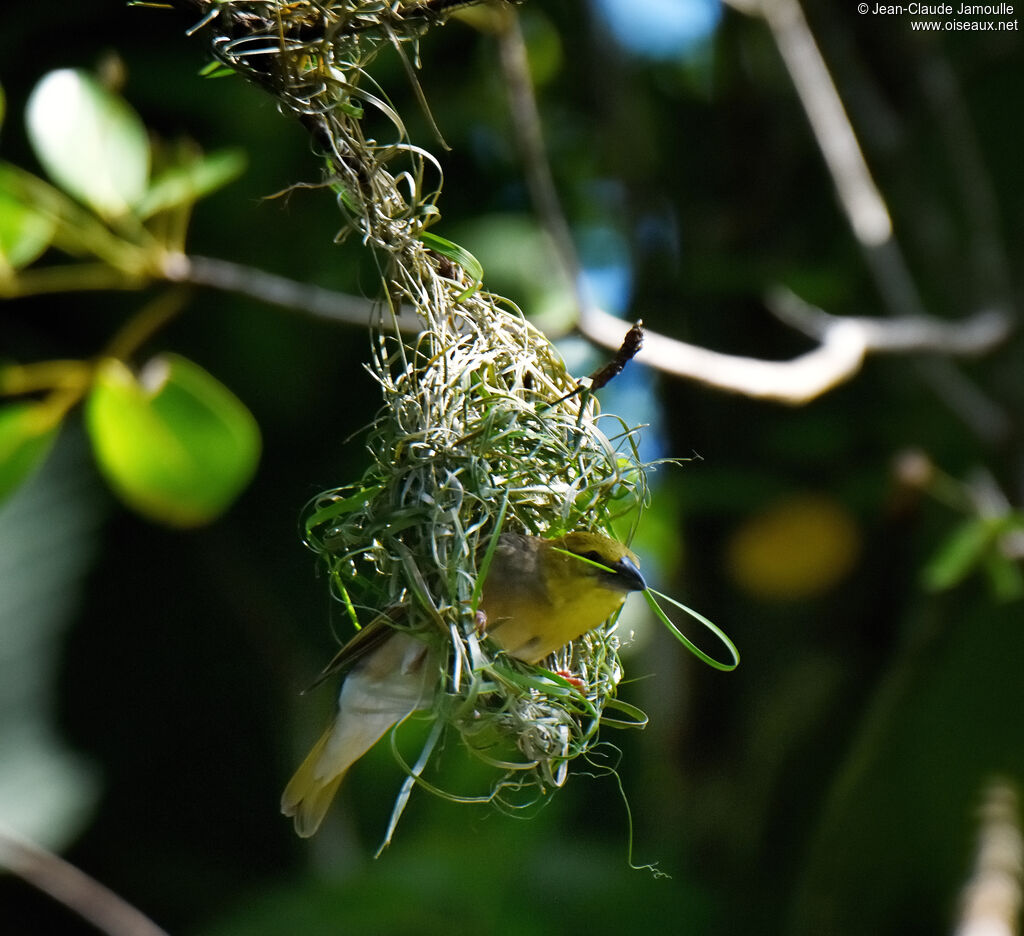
(830, 784)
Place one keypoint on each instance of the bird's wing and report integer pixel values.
(363, 641)
(386, 686)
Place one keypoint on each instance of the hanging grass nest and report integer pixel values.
(473, 439)
(482, 429)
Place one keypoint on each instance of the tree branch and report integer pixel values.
(843, 341)
(268, 287)
(864, 206)
(991, 901)
(73, 888)
(975, 335)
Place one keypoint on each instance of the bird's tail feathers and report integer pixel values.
(308, 795)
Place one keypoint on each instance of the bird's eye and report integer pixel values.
(593, 556)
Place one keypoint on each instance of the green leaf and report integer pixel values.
(30, 190)
(24, 232)
(1004, 576)
(89, 140)
(959, 555)
(27, 431)
(175, 444)
(182, 185)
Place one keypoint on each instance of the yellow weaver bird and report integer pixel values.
(538, 596)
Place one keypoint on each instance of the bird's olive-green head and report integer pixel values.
(622, 570)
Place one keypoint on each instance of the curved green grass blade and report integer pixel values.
(474, 269)
(684, 640)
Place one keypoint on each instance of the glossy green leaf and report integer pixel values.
(91, 143)
(24, 232)
(182, 185)
(174, 443)
(27, 431)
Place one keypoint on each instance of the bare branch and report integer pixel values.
(991, 901)
(835, 360)
(843, 344)
(915, 334)
(861, 201)
(529, 137)
(863, 204)
(268, 287)
(858, 194)
(73, 888)
(843, 341)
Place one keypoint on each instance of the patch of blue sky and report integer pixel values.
(607, 267)
(661, 29)
(608, 280)
(631, 395)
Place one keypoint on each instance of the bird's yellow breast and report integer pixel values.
(537, 598)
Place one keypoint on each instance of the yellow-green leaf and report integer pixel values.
(27, 430)
(184, 184)
(174, 443)
(24, 232)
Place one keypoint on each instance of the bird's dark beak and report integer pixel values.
(629, 575)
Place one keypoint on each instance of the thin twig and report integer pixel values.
(861, 200)
(529, 137)
(858, 194)
(275, 290)
(73, 888)
(975, 335)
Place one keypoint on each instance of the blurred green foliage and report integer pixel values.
(830, 783)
